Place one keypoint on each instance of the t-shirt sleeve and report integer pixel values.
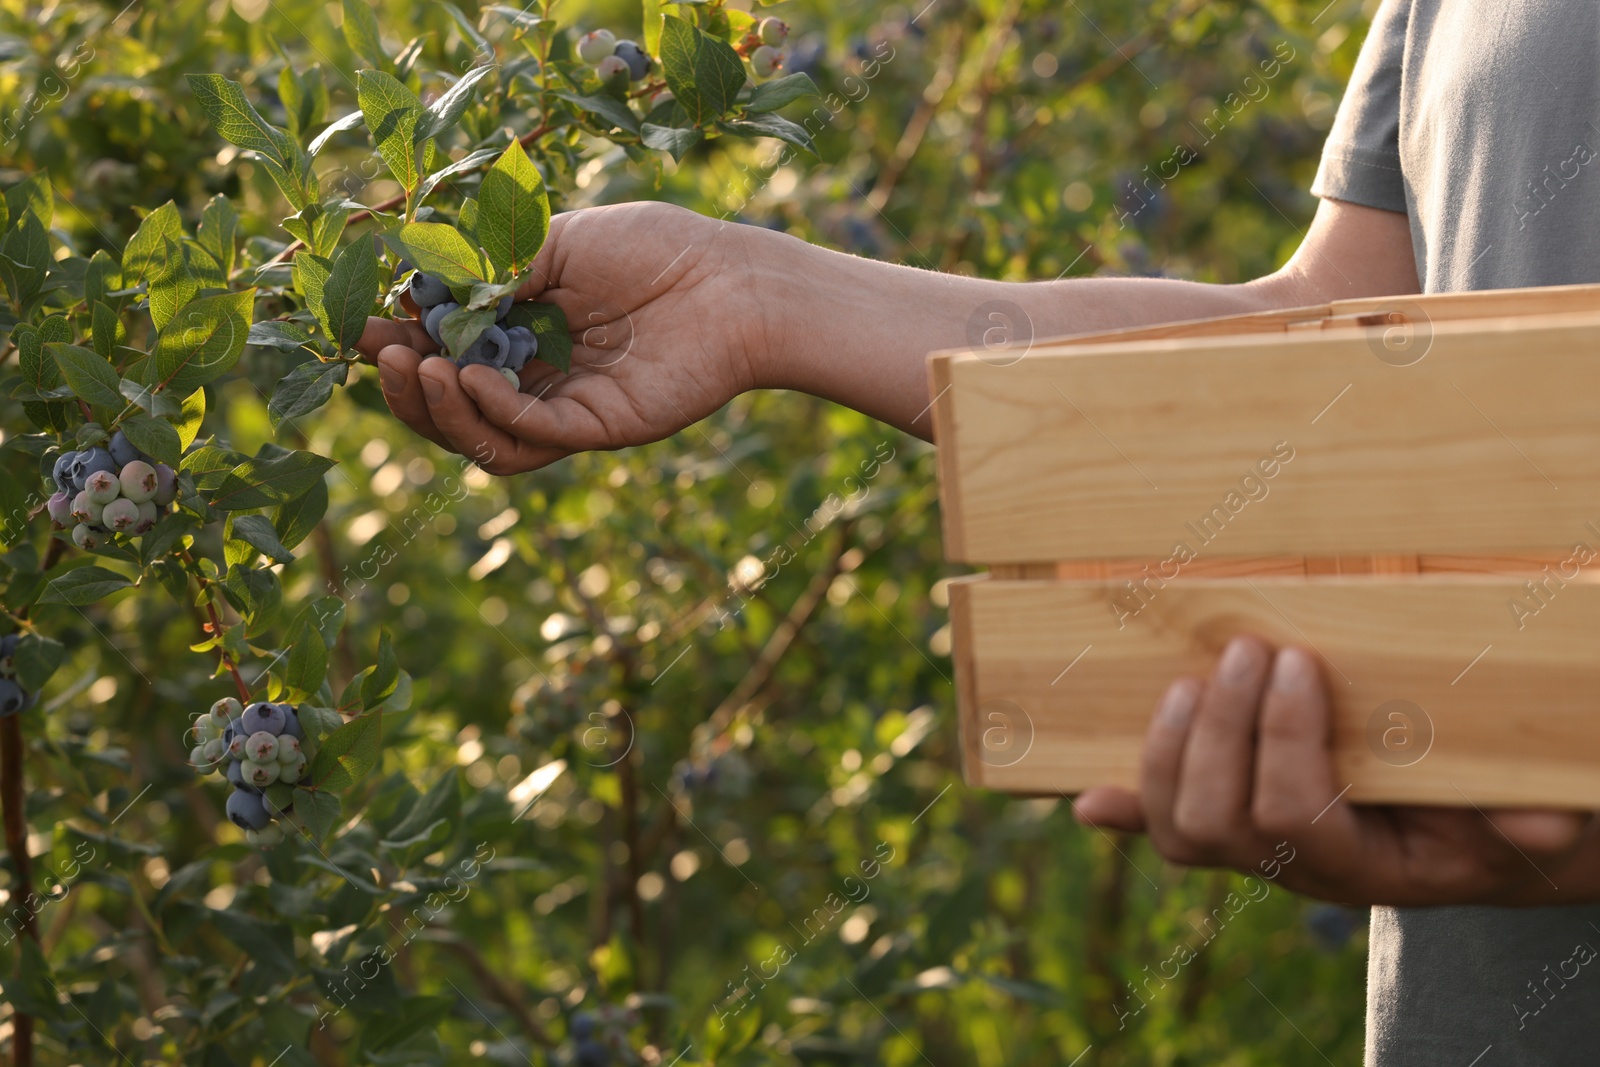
(1361, 159)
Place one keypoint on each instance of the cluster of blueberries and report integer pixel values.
(261, 746)
(611, 57)
(103, 491)
(13, 698)
(505, 348)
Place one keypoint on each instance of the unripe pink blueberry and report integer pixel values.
(610, 67)
(765, 61)
(166, 485)
(120, 514)
(259, 775)
(149, 514)
(138, 481)
(663, 97)
(102, 487)
(225, 709)
(773, 31)
(60, 508)
(88, 537)
(84, 508)
(262, 747)
(596, 45)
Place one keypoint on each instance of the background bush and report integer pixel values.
(780, 742)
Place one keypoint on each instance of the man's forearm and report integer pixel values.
(858, 331)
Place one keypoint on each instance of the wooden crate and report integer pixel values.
(1409, 487)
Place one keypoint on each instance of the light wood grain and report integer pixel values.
(1086, 452)
(1513, 710)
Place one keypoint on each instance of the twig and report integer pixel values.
(498, 988)
(216, 627)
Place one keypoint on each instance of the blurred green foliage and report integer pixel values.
(735, 760)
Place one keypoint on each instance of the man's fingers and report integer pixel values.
(1109, 808)
(555, 422)
(381, 333)
(1294, 757)
(397, 375)
(1213, 803)
(463, 425)
(1160, 763)
(1542, 833)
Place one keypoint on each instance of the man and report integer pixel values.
(1459, 160)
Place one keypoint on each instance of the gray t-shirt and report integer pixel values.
(1479, 121)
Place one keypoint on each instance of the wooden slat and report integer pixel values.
(1088, 452)
(1513, 712)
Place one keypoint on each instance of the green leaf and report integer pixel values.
(105, 329)
(461, 327)
(770, 96)
(202, 343)
(327, 615)
(513, 212)
(24, 258)
(218, 232)
(257, 483)
(83, 585)
(36, 659)
(461, 166)
(90, 376)
(438, 249)
(256, 594)
(673, 140)
(469, 30)
(257, 531)
(703, 72)
(319, 812)
(518, 17)
(173, 282)
(609, 108)
(160, 405)
(349, 291)
(307, 664)
(771, 126)
(447, 110)
(393, 114)
(193, 413)
(416, 1013)
(339, 125)
(237, 120)
(304, 389)
(156, 438)
(278, 333)
(100, 278)
(267, 945)
(145, 247)
(361, 32)
(349, 753)
(549, 324)
(298, 517)
(380, 684)
(31, 196)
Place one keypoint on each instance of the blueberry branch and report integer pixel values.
(216, 625)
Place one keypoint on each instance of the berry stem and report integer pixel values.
(216, 627)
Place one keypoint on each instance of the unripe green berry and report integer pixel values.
(148, 515)
(85, 510)
(288, 749)
(265, 837)
(257, 774)
(88, 537)
(611, 67)
(773, 31)
(596, 45)
(261, 747)
(292, 772)
(765, 61)
(120, 515)
(102, 487)
(215, 750)
(138, 481)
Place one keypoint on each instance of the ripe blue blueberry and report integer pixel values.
(8, 649)
(524, 346)
(431, 321)
(504, 307)
(247, 810)
(631, 54)
(291, 727)
(490, 349)
(122, 450)
(590, 1053)
(61, 473)
(428, 291)
(263, 716)
(91, 460)
(13, 698)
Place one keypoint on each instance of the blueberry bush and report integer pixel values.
(319, 745)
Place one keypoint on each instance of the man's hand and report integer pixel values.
(663, 319)
(1235, 765)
